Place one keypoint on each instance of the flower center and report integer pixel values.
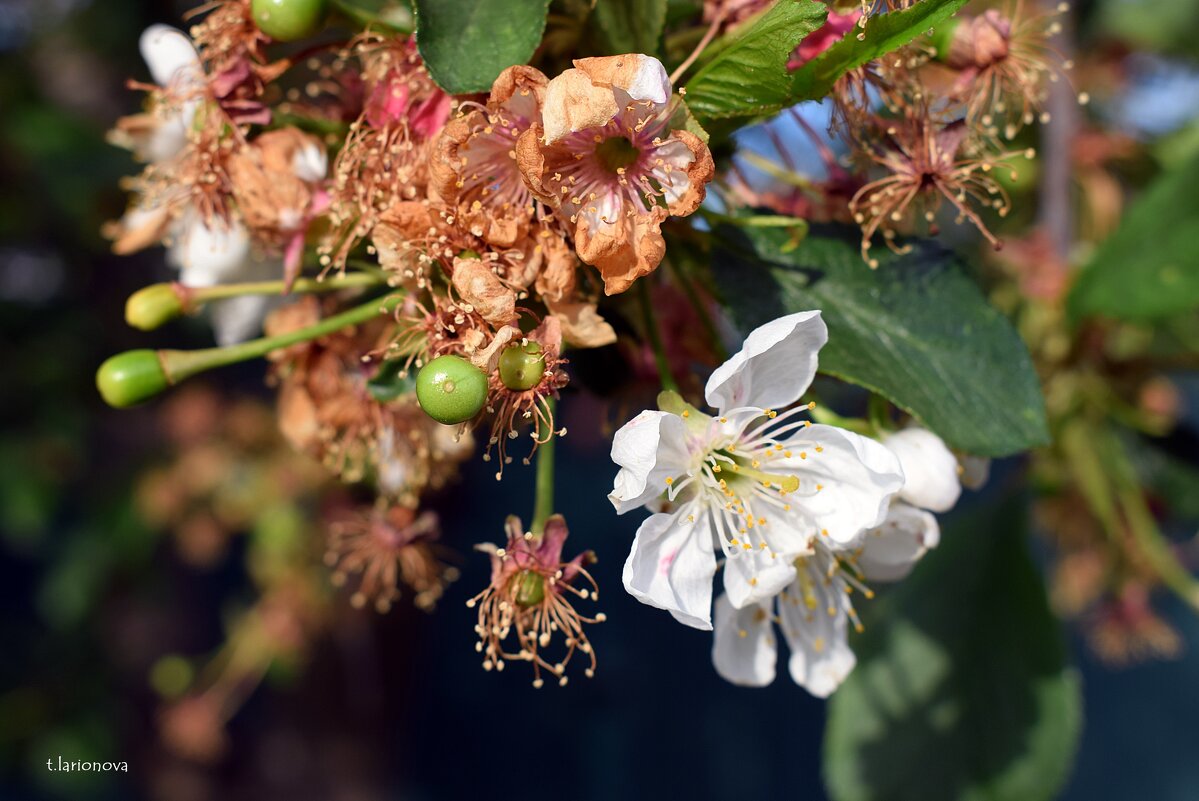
(616, 152)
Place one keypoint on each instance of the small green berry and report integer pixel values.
(289, 20)
(530, 588)
(152, 306)
(131, 377)
(451, 390)
(522, 366)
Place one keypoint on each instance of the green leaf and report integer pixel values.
(749, 77)
(916, 330)
(1147, 269)
(466, 44)
(883, 33)
(631, 26)
(962, 690)
(682, 117)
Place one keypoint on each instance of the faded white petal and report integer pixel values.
(774, 366)
(165, 140)
(846, 481)
(975, 470)
(930, 469)
(240, 318)
(649, 449)
(744, 649)
(817, 635)
(207, 255)
(649, 81)
(237, 319)
(890, 551)
(671, 566)
(310, 163)
(170, 55)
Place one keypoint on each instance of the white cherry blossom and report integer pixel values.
(814, 612)
(758, 486)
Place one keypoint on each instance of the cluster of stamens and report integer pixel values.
(532, 599)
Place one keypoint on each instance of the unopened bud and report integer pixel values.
(153, 306)
(131, 377)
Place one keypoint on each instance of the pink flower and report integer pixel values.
(833, 31)
(531, 590)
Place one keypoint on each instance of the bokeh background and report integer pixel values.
(124, 557)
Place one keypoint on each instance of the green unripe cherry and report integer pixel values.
(131, 377)
(522, 366)
(451, 390)
(289, 20)
(530, 588)
(152, 306)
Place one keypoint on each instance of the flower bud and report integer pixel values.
(289, 20)
(152, 306)
(451, 390)
(131, 377)
(522, 366)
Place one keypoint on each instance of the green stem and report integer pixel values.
(363, 17)
(543, 500)
(1153, 545)
(826, 416)
(665, 377)
(301, 286)
(182, 364)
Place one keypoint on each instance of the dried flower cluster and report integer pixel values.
(427, 271)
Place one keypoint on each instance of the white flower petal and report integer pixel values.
(237, 319)
(890, 551)
(650, 448)
(240, 318)
(774, 366)
(170, 55)
(310, 163)
(744, 649)
(671, 566)
(975, 470)
(820, 654)
(930, 469)
(751, 577)
(846, 486)
(208, 255)
(166, 138)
